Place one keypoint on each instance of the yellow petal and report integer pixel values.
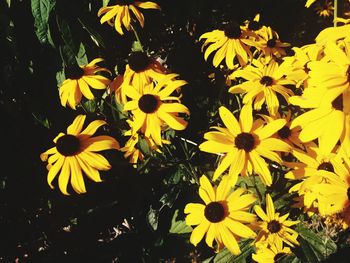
(198, 232)
(64, 176)
(77, 125)
(229, 120)
(246, 118)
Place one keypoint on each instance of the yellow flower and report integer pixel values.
(296, 66)
(263, 83)
(326, 107)
(333, 34)
(140, 71)
(333, 193)
(270, 253)
(124, 12)
(224, 217)
(153, 108)
(270, 44)
(244, 143)
(230, 43)
(312, 165)
(286, 134)
(275, 228)
(75, 153)
(79, 81)
(131, 152)
(325, 9)
(253, 25)
(332, 74)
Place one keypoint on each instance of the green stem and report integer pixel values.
(137, 38)
(112, 108)
(335, 12)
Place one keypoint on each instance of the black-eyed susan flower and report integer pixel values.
(140, 71)
(124, 12)
(312, 165)
(270, 44)
(270, 253)
(325, 9)
(243, 144)
(79, 81)
(263, 83)
(230, 43)
(333, 34)
(76, 153)
(131, 151)
(312, 161)
(224, 217)
(296, 66)
(274, 227)
(333, 193)
(324, 109)
(154, 108)
(253, 25)
(286, 134)
(332, 74)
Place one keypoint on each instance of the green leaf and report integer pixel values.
(41, 10)
(136, 46)
(225, 256)
(60, 77)
(290, 259)
(105, 2)
(170, 197)
(90, 106)
(322, 245)
(71, 45)
(208, 260)
(42, 120)
(308, 252)
(94, 35)
(81, 56)
(179, 226)
(152, 218)
(143, 146)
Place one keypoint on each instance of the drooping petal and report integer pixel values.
(199, 232)
(77, 125)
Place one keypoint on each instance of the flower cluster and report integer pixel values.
(295, 116)
(292, 116)
(147, 92)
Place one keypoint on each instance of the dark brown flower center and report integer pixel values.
(68, 145)
(245, 141)
(254, 25)
(232, 30)
(139, 61)
(284, 132)
(278, 256)
(73, 72)
(148, 103)
(348, 73)
(348, 193)
(215, 212)
(271, 43)
(326, 166)
(266, 80)
(338, 103)
(274, 226)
